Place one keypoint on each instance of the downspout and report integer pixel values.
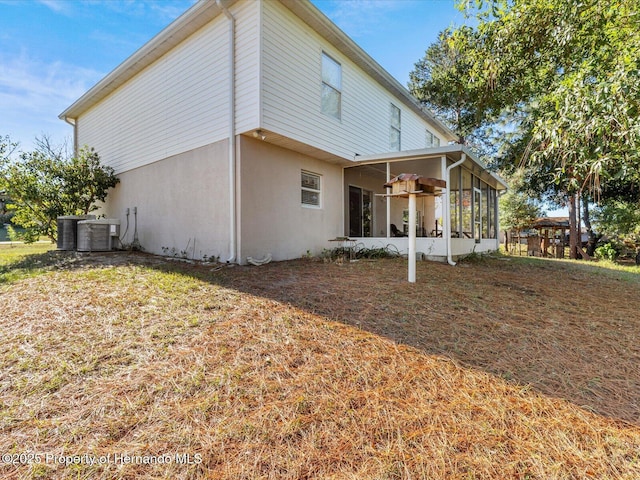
(233, 230)
(447, 230)
(73, 123)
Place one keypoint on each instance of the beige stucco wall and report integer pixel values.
(273, 221)
(181, 200)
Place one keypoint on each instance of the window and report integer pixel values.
(310, 188)
(394, 133)
(331, 102)
(432, 140)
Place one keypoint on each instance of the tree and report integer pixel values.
(86, 182)
(565, 74)
(6, 150)
(618, 220)
(441, 82)
(575, 64)
(44, 185)
(517, 212)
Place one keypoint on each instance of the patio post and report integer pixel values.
(412, 238)
(387, 200)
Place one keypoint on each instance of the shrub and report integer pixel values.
(607, 252)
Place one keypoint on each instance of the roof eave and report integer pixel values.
(454, 151)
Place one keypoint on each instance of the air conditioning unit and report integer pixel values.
(68, 230)
(98, 235)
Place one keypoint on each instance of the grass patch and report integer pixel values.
(20, 260)
(495, 369)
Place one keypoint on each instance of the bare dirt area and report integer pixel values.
(499, 368)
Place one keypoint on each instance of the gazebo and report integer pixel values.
(551, 238)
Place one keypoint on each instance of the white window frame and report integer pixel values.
(326, 83)
(393, 128)
(307, 188)
(431, 140)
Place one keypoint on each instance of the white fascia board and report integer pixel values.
(410, 154)
(454, 151)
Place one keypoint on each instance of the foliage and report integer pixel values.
(35, 183)
(43, 185)
(87, 181)
(440, 80)
(618, 219)
(518, 211)
(7, 147)
(572, 67)
(359, 252)
(607, 252)
(22, 235)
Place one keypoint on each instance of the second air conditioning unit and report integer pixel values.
(99, 235)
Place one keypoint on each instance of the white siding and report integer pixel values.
(291, 93)
(248, 29)
(176, 104)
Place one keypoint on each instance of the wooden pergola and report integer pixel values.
(551, 238)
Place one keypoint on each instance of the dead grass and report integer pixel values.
(497, 369)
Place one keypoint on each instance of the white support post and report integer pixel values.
(388, 200)
(412, 238)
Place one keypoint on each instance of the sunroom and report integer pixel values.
(451, 221)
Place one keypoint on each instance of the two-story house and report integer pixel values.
(257, 127)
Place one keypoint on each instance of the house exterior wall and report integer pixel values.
(165, 132)
(291, 93)
(181, 101)
(432, 248)
(273, 220)
(176, 104)
(248, 63)
(182, 203)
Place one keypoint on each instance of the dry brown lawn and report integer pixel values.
(504, 368)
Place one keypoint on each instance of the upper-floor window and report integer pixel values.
(310, 188)
(394, 132)
(431, 140)
(331, 87)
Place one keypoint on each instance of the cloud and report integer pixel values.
(361, 17)
(170, 12)
(33, 93)
(118, 42)
(154, 10)
(58, 6)
(150, 10)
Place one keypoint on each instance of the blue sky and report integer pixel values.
(52, 51)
